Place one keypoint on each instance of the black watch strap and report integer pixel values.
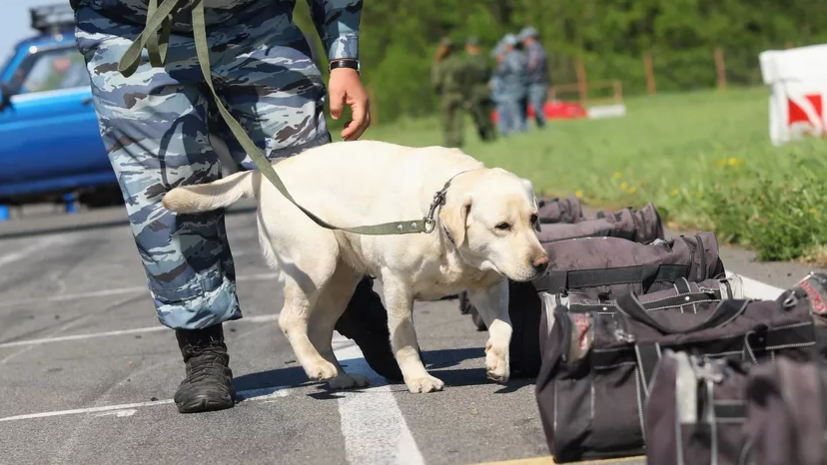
(348, 63)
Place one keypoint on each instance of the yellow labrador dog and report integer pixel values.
(484, 233)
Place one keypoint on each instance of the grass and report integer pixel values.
(703, 158)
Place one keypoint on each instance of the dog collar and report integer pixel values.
(439, 201)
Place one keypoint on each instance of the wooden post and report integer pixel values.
(650, 73)
(582, 86)
(720, 67)
(618, 88)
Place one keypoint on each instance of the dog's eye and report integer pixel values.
(503, 226)
(534, 218)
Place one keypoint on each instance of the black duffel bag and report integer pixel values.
(642, 226)
(600, 268)
(556, 210)
(774, 413)
(720, 411)
(696, 411)
(596, 366)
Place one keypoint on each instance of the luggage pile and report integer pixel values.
(642, 345)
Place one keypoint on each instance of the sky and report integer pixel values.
(15, 22)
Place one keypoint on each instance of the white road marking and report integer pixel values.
(117, 291)
(374, 428)
(36, 247)
(756, 289)
(123, 332)
(126, 410)
(119, 413)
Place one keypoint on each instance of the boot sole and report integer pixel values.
(200, 404)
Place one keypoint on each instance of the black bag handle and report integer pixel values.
(630, 305)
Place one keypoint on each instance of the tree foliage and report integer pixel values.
(610, 37)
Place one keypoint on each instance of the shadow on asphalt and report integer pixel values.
(436, 361)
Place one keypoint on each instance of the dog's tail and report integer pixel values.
(206, 197)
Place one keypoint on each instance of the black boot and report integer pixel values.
(366, 322)
(209, 382)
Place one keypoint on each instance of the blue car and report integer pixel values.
(50, 144)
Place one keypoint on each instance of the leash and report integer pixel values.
(157, 48)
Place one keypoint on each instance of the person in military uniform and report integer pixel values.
(538, 76)
(155, 117)
(495, 86)
(511, 72)
(480, 103)
(448, 76)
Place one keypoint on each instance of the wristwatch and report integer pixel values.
(344, 63)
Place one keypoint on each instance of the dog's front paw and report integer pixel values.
(349, 381)
(496, 364)
(426, 383)
(321, 371)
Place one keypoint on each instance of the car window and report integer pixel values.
(52, 70)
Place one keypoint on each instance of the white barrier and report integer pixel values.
(798, 82)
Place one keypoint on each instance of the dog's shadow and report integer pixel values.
(436, 361)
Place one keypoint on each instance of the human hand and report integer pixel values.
(346, 89)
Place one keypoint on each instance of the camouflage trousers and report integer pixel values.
(156, 127)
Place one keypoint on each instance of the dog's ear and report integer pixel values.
(454, 216)
(530, 188)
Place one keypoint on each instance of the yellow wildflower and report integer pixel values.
(632, 190)
(618, 175)
(813, 211)
(674, 192)
(578, 193)
(732, 161)
(624, 185)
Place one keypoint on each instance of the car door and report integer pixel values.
(49, 136)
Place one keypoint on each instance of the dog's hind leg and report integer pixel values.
(330, 306)
(299, 302)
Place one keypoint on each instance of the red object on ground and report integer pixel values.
(554, 110)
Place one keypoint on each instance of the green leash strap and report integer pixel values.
(157, 48)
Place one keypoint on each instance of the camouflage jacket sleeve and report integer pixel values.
(337, 22)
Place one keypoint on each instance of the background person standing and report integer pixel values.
(479, 103)
(537, 73)
(512, 74)
(448, 77)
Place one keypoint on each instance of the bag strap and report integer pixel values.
(646, 275)
(647, 355)
(158, 17)
(630, 305)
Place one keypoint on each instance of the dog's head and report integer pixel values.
(491, 215)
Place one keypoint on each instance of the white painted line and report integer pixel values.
(374, 429)
(754, 289)
(123, 332)
(36, 247)
(126, 410)
(117, 291)
(119, 413)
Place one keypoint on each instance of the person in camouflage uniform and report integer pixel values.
(448, 76)
(155, 125)
(538, 77)
(479, 103)
(511, 72)
(495, 86)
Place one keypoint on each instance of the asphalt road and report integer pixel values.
(87, 373)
